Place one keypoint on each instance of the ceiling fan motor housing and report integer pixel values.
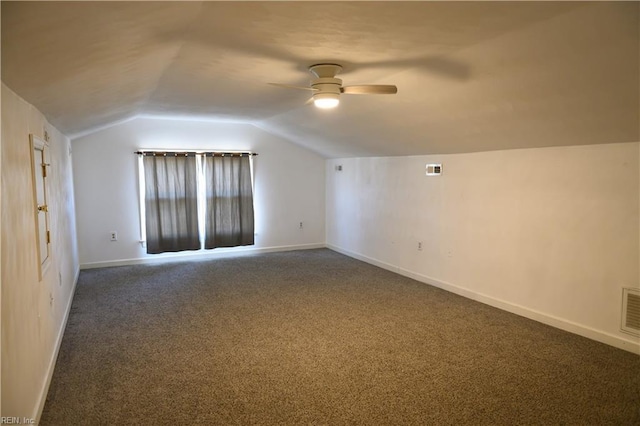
(325, 70)
(326, 85)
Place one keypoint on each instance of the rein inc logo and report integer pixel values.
(17, 421)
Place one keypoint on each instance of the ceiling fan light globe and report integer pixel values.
(326, 103)
(326, 100)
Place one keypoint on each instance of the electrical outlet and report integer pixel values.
(300, 225)
(420, 245)
(114, 236)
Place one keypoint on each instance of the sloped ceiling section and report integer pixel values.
(471, 76)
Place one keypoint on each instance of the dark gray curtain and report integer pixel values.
(171, 203)
(229, 212)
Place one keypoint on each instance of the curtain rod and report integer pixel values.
(193, 153)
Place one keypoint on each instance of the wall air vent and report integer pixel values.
(631, 311)
(434, 169)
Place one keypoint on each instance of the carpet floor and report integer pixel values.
(315, 337)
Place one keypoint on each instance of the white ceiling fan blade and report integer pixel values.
(370, 89)
(290, 86)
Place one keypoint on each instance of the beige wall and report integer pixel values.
(0, 250)
(549, 233)
(33, 311)
(288, 183)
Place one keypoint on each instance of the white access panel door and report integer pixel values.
(39, 167)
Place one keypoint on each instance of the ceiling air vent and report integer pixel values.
(631, 310)
(434, 169)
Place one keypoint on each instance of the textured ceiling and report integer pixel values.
(471, 76)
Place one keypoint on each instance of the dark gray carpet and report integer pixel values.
(314, 337)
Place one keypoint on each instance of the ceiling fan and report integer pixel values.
(327, 88)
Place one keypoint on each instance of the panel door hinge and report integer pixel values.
(44, 169)
(48, 237)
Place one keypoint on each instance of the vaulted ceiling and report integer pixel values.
(471, 76)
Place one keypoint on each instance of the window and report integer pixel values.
(39, 167)
(191, 201)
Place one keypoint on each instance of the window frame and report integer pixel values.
(201, 189)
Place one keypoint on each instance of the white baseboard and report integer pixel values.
(54, 356)
(201, 255)
(561, 323)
